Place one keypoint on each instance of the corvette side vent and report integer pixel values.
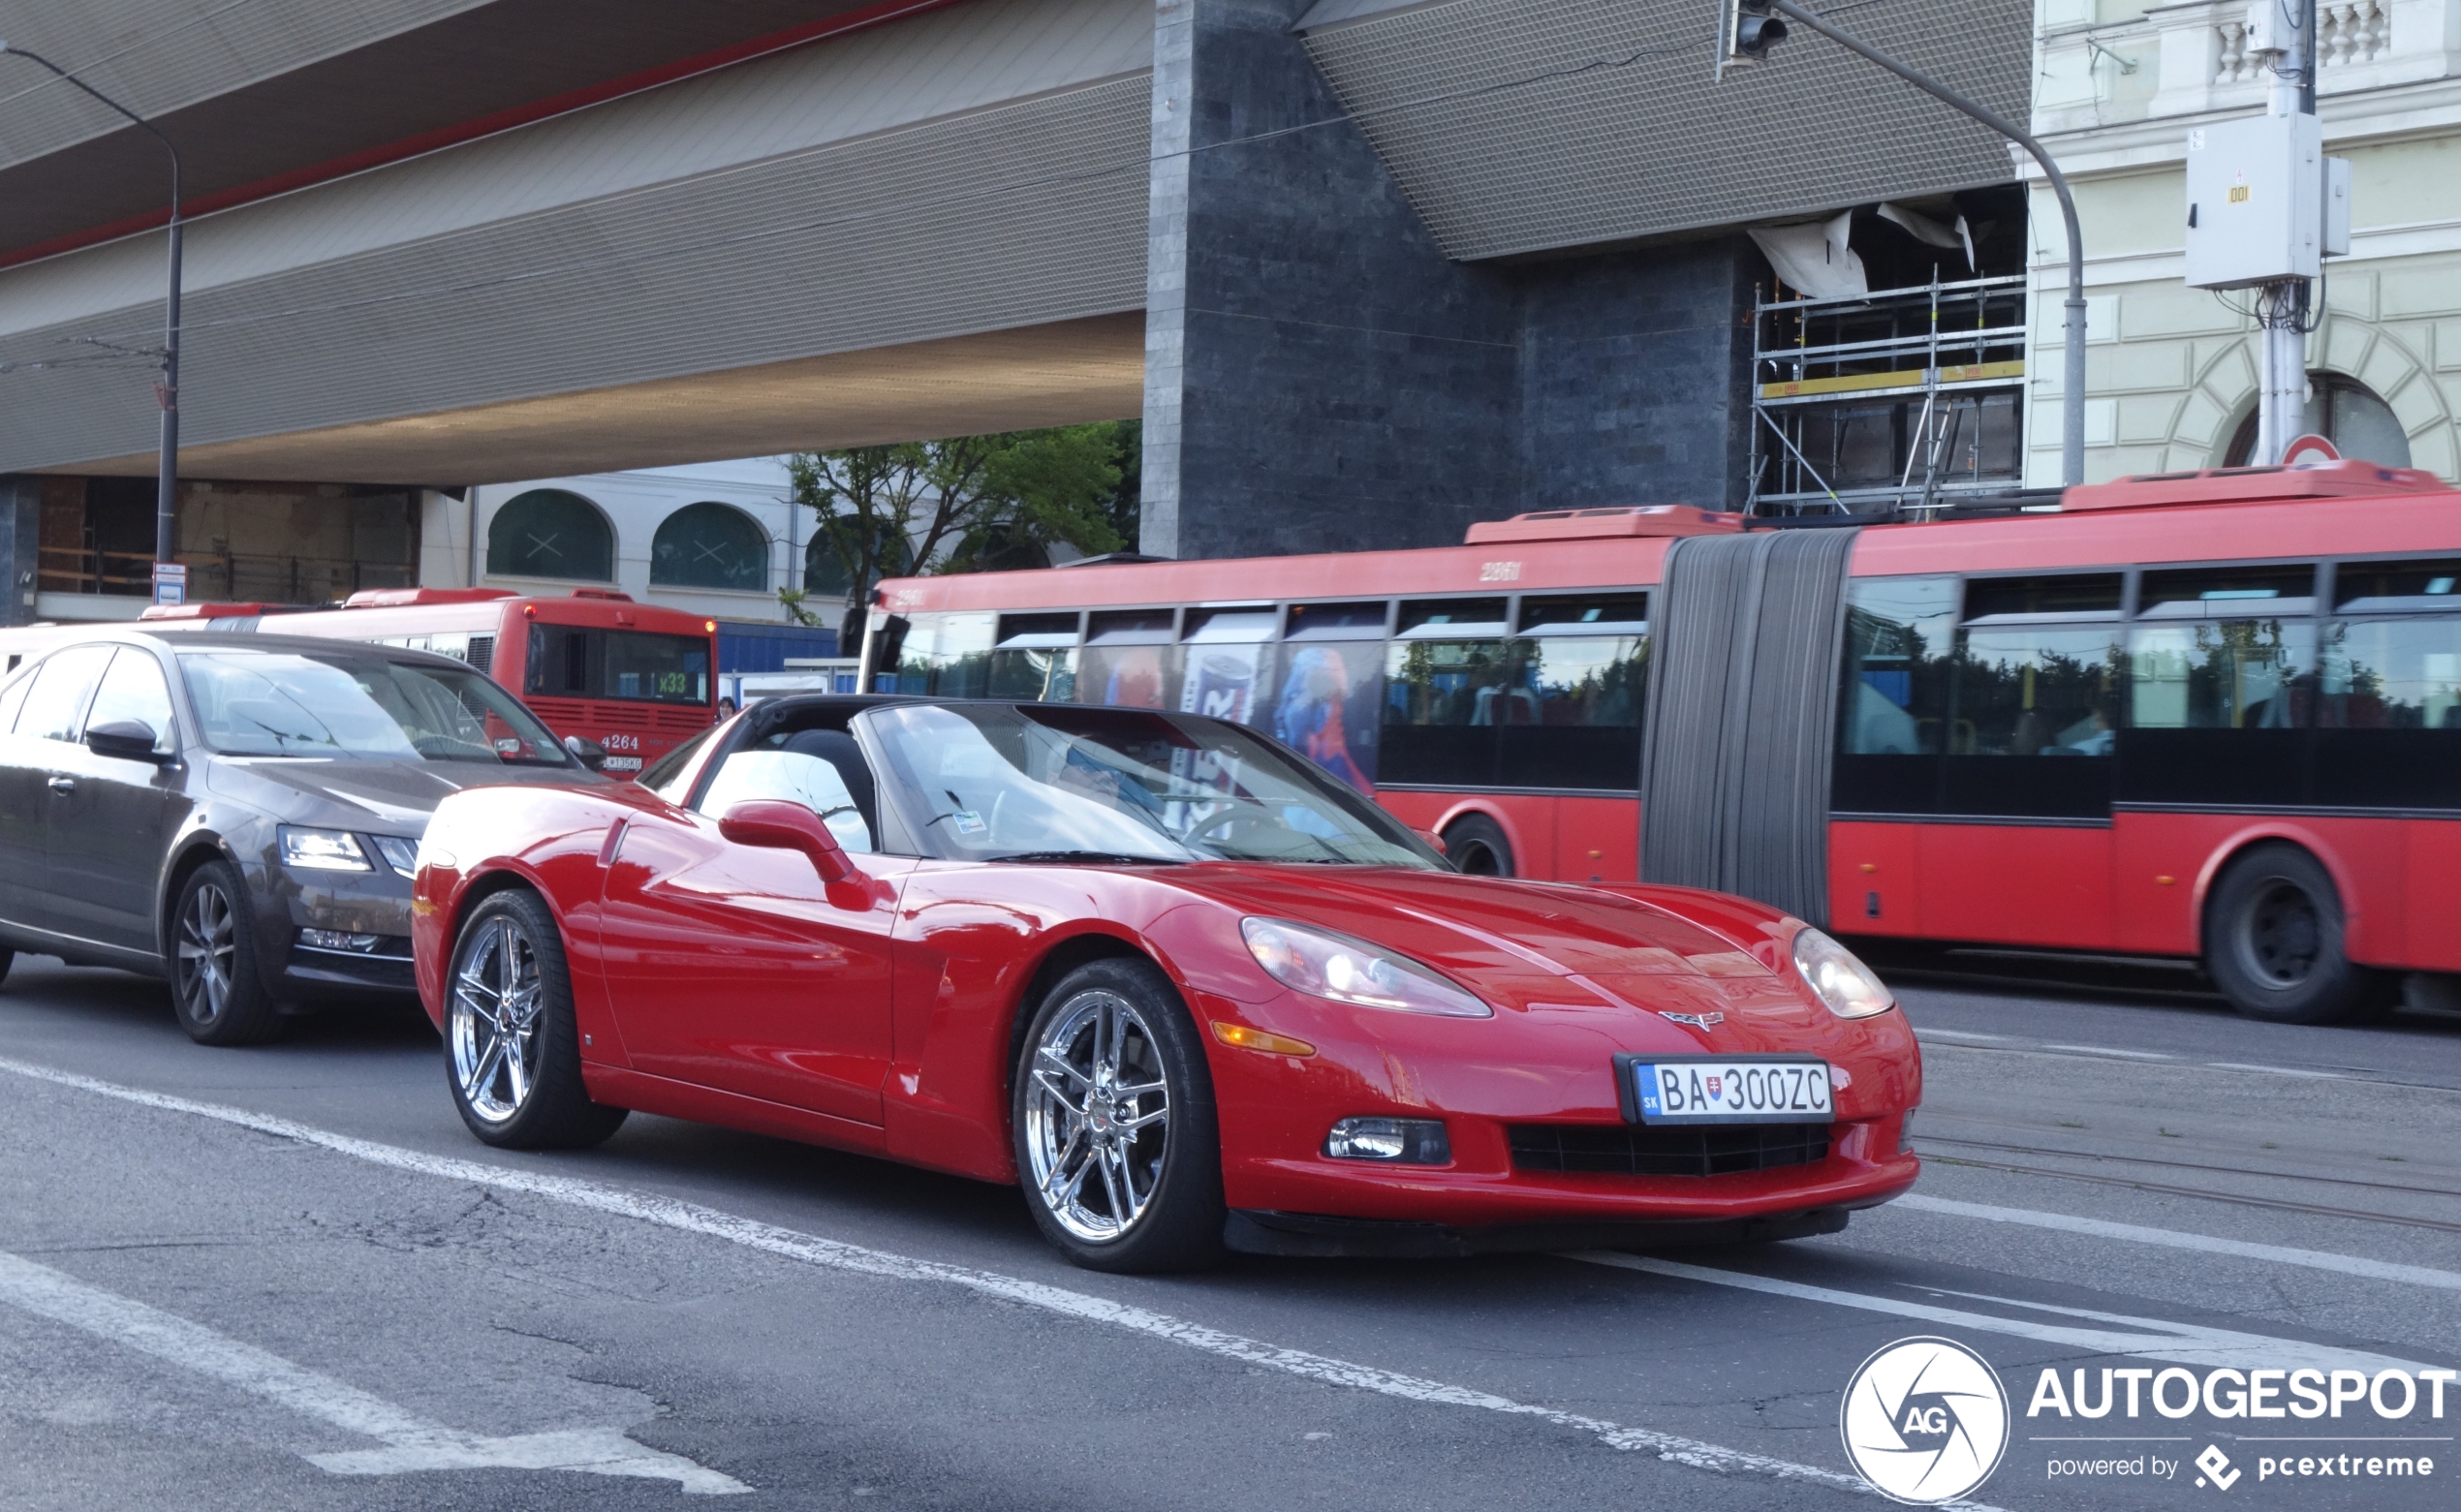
(1621, 1150)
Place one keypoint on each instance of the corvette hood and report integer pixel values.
(1537, 946)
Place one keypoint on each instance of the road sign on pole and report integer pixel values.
(170, 582)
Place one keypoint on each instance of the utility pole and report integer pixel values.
(2282, 306)
(167, 391)
(1749, 39)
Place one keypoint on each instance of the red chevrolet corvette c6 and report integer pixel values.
(1185, 989)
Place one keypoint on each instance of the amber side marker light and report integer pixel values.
(1238, 1036)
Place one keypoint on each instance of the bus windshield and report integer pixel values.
(289, 704)
(999, 781)
(631, 666)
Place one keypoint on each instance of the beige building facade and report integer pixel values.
(2172, 371)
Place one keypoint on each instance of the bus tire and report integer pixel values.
(1478, 846)
(2273, 940)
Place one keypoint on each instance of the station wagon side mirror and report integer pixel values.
(589, 753)
(774, 823)
(128, 740)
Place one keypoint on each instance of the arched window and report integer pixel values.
(549, 533)
(2344, 411)
(709, 546)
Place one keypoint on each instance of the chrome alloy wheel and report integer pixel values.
(1097, 1116)
(497, 1039)
(2282, 934)
(209, 951)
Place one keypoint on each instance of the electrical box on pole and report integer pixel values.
(2256, 201)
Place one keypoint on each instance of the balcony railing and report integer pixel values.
(232, 576)
(2188, 59)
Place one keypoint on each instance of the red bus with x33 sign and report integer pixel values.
(633, 677)
(2210, 715)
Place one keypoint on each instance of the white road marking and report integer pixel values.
(2277, 1071)
(2279, 1254)
(1959, 1034)
(2124, 1054)
(410, 1443)
(692, 1219)
(2187, 1343)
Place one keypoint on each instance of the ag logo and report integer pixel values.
(1925, 1421)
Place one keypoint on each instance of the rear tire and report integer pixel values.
(1477, 845)
(1119, 1183)
(8, 958)
(216, 991)
(2273, 941)
(513, 1055)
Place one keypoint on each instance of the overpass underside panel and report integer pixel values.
(1019, 217)
(1067, 372)
(1517, 128)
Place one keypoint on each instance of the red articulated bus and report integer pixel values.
(636, 678)
(2206, 715)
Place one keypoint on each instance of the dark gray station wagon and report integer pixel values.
(240, 813)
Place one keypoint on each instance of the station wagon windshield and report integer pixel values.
(366, 707)
(997, 781)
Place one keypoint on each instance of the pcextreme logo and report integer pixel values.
(1924, 1421)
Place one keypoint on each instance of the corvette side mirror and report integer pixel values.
(775, 824)
(1435, 842)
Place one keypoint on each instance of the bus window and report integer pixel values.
(946, 654)
(1444, 695)
(1893, 690)
(1226, 657)
(2222, 679)
(1035, 658)
(2038, 675)
(1573, 715)
(1129, 659)
(631, 666)
(2390, 689)
(1329, 704)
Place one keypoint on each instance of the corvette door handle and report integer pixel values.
(63, 785)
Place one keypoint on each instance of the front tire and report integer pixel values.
(1117, 1144)
(512, 1054)
(2273, 941)
(216, 990)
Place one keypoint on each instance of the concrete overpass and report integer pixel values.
(450, 241)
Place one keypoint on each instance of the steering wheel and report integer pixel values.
(1213, 821)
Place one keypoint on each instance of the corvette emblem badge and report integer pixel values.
(1696, 1020)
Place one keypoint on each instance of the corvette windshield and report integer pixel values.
(996, 782)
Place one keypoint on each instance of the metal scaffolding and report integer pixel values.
(1899, 400)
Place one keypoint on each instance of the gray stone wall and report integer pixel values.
(1321, 377)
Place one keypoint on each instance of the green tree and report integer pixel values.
(1037, 489)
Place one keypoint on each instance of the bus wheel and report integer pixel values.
(2273, 940)
(1475, 843)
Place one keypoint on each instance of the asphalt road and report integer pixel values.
(287, 1278)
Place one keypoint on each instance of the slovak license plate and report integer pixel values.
(620, 764)
(1743, 1088)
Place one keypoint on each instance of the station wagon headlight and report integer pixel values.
(1325, 965)
(322, 850)
(1847, 985)
(399, 853)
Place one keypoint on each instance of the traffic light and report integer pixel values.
(1752, 31)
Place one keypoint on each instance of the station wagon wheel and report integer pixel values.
(215, 989)
(512, 1049)
(1117, 1146)
(2273, 940)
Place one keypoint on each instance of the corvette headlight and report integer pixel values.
(1325, 965)
(322, 850)
(1845, 984)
